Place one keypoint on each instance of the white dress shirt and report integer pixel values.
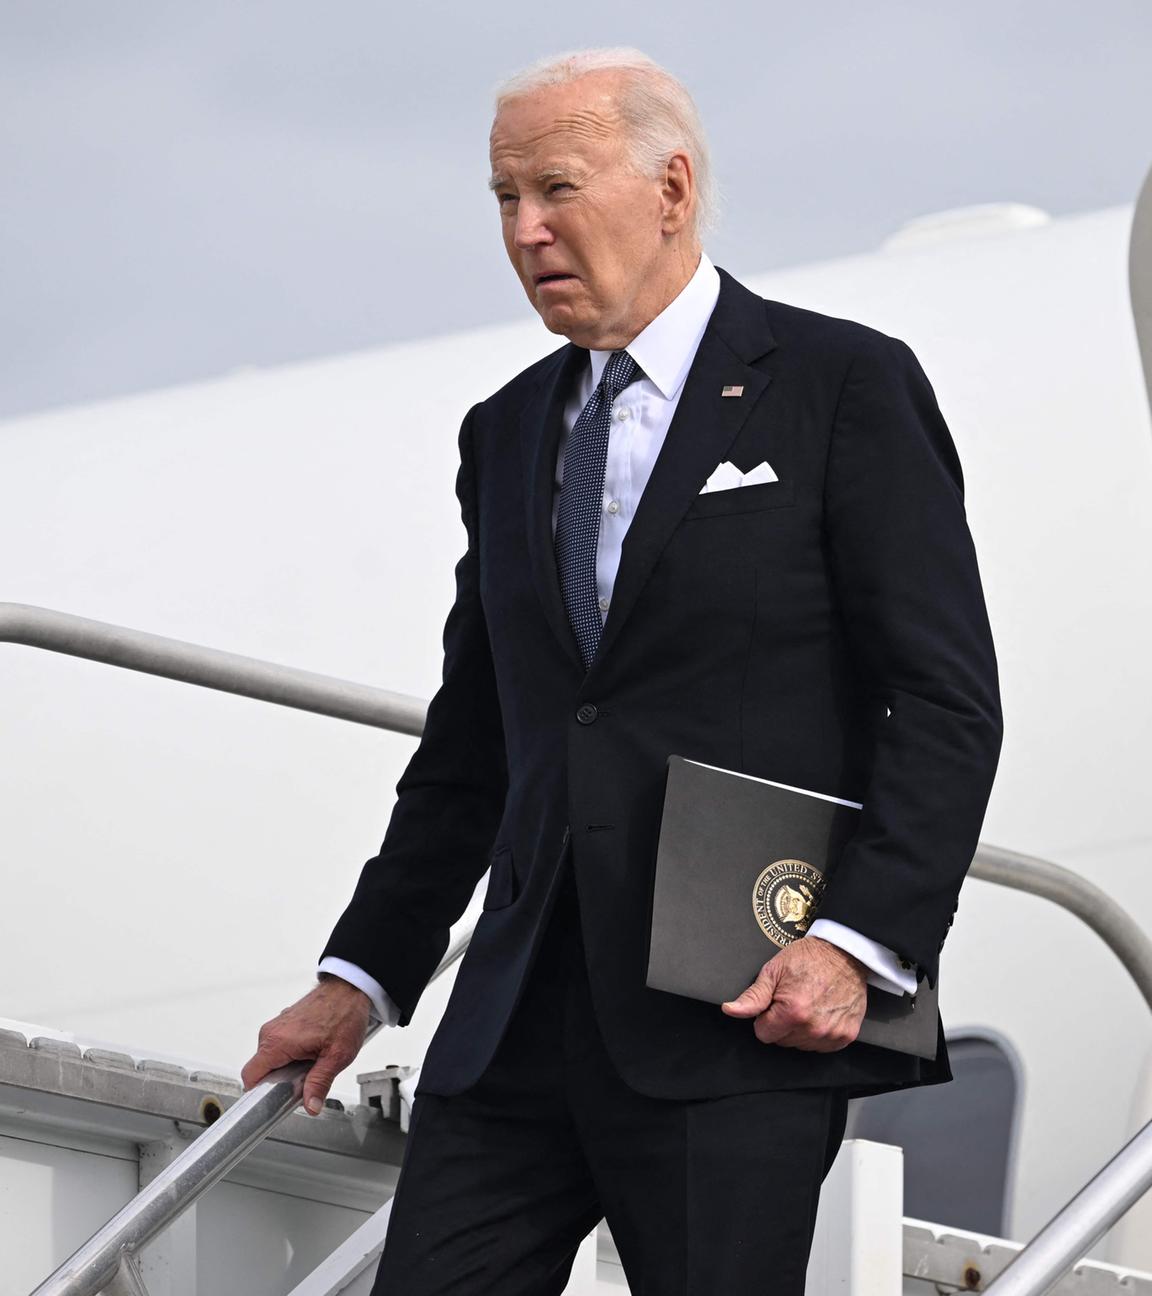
(641, 415)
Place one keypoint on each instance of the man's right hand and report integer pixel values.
(328, 1024)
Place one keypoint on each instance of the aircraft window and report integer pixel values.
(957, 1138)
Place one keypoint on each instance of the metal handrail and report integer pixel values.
(1076, 1228)
(109, 1254)
(252, 1116)
(226, 672)
(1093, 906)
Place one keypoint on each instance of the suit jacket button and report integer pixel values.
(586, 713)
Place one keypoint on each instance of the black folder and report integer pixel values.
(740, 871)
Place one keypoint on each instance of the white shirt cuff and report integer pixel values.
(886, 971)
(383, 1009)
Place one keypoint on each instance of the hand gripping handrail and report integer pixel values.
(252, 1116)
(109, 1255)
(107, 1261)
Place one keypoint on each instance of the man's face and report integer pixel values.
(586, 236)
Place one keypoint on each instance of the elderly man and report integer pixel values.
(819, 622)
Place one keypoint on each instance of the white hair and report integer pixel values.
(658, 112)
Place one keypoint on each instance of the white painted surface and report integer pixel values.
(857, 1249)
(263, 1242)
(351, 1265)
(53, 1198)
(585, 1280)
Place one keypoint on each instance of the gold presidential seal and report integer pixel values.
(785, 898)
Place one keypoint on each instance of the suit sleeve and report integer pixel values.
(908, 589)
(449, 801)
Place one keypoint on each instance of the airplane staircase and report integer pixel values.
(864, 1247)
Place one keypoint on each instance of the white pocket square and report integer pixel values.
(726, 476)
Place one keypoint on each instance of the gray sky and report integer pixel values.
(190, 187)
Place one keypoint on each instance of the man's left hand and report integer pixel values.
(812, 995)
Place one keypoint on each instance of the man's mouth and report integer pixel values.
(557, 277)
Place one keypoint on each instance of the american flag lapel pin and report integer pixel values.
(732, 391)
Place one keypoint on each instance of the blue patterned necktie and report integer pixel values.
(582, 501)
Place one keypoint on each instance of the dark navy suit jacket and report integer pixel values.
(826, 630)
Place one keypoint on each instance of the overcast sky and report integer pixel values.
(191, 187)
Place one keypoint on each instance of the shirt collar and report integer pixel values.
(666, 348)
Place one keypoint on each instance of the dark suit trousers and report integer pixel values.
(500, 1183)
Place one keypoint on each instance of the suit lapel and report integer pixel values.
(541, 425)
(704, 425)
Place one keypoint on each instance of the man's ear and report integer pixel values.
(678, 193)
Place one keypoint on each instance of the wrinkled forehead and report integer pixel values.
(580, 120)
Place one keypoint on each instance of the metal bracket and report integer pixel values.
(128, 1281)
(381, 1089)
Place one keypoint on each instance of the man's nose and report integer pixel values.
(531, 228)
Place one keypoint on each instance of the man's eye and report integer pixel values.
(559, 184)
(505, 198)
